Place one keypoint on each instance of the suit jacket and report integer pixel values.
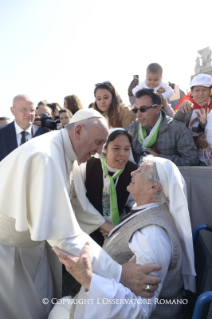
(8, 139)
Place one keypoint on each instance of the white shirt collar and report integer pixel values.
(141, 209)
(68, 148)
(142, 206)
(18, 129)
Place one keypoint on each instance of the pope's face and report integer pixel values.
(91, 142)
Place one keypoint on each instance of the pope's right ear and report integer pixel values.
(78, 131)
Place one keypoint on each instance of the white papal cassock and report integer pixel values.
(36, 213)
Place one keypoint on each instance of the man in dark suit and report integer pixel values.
(22, 129)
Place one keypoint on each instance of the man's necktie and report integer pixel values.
(23, 138)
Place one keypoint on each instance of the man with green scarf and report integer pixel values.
(158, 134)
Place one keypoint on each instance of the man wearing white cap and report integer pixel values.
(35, 192)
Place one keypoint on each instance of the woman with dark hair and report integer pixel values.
(106, 179)
(72, 103)
(109, 103)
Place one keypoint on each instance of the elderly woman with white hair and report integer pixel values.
(157, 230)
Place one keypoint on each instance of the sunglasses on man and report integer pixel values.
(143, 109)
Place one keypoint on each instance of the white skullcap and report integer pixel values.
(202, 79)
(85, 114)
(174, 188)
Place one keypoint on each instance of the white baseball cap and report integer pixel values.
(201, 79)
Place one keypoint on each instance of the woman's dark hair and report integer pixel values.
(113, 112)
(73, 103)
(114, 135)
(154, 96)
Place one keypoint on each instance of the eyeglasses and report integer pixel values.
(105, 82)
(143, 109)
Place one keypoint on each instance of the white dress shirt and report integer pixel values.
(18, 130)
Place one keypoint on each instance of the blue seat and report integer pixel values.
(199, 303)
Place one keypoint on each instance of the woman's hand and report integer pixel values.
(106, 228)
(186, 106)
(202, 117)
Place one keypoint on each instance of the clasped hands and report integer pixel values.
(135, 277)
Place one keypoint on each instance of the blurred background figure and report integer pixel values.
(41, 103)
(72, 103)
(65, 115)
(91, 105)
(177, 96)
(22, 128)
(4, 120)
(42, 108)
(55, 107)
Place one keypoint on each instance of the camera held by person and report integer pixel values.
(47, 122)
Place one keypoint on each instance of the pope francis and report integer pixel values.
(36, 188)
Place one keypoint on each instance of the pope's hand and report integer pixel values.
(78, 266)
(136, 278)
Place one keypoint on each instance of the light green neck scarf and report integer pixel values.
(109, 205)
(148, 141)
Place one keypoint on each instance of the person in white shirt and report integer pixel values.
(153, 81)
(38, 210)
(158, 229)
(22, 128)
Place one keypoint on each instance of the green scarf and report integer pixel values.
(148, 141)
(114, 213)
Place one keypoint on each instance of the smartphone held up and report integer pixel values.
(136, 77)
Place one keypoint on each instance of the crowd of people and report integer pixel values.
(157, 130)
(110, 171)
